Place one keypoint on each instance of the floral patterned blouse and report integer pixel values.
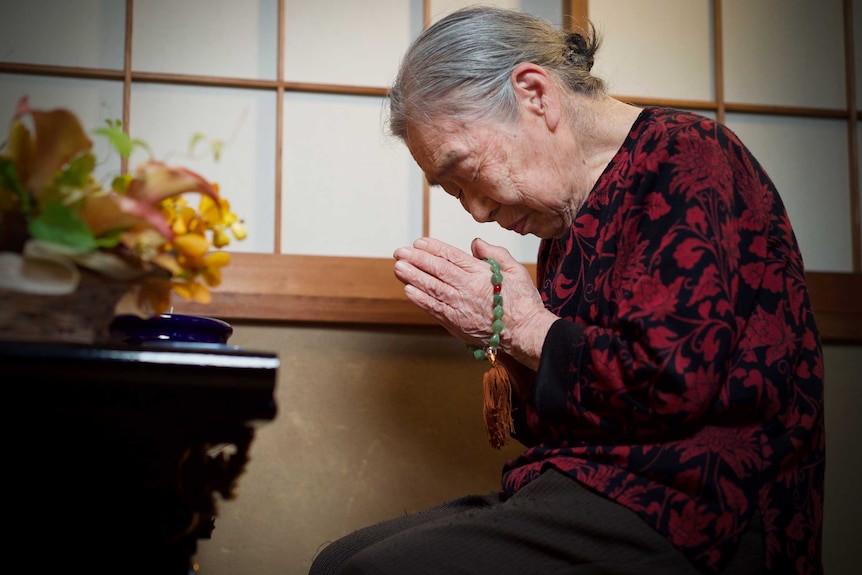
(685, 378)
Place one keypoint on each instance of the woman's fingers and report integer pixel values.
(482, 250)
(439, 269)
(423, 277)
(439, 258)
(448, 283)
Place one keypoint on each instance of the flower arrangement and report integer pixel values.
(58, 221)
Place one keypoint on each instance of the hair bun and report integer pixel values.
(578, 51)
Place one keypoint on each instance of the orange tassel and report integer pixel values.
(498, 405)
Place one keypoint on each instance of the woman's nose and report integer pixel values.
(481, 207)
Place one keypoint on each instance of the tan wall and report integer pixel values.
(371, 424)
(376, 423)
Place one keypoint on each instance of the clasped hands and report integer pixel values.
(454, 287)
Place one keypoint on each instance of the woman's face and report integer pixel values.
(502, 173)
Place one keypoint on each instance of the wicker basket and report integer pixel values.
(80, 317)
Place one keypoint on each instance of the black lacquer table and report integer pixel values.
(115, 456)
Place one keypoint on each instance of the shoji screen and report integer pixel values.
(87, 34)
(348, 189)
(776, 75)
(296, 91)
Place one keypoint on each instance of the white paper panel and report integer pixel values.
(348, 188)
(166, 117)
(655, 48)
(85, 33)
(550, 10)
(349, 43)
(93, 101)
(784, 52)
(857, 45)
(807, 160)
(453, 224)
(206, 37)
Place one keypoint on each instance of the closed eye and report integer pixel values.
(453, 191)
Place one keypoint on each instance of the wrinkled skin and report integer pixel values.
(454, 287)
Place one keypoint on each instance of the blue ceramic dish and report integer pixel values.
(168, 327)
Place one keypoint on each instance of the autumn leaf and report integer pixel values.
(156, 181)
(59, 138)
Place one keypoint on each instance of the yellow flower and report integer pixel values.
(220, 238)
(192, 290)
(192, 246)
(213, 262)
(238, 229)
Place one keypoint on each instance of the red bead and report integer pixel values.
(498, 288)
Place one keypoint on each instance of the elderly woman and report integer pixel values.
(667, 373)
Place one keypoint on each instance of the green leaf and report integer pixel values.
(196, 139)
(136, 143)
(9, 180)
(217, 147)
(117, 138)
(109, 239)
(120, 140)
(59, 224)
(77, 172)
(121, 183)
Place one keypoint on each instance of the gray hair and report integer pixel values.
(461, 66)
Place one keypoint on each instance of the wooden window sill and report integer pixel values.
(348, 290)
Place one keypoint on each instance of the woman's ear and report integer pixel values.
(537, 93)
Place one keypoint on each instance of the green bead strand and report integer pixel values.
(497, 312)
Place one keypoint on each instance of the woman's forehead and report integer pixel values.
(437, 146)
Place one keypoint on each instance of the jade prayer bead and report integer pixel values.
(497, 314)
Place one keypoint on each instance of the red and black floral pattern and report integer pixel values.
(685, 378)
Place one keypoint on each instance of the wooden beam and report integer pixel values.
(837, 302)
(576, 14)
(718, 60)
(851, 67)
(309, 288)
(342, 290)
